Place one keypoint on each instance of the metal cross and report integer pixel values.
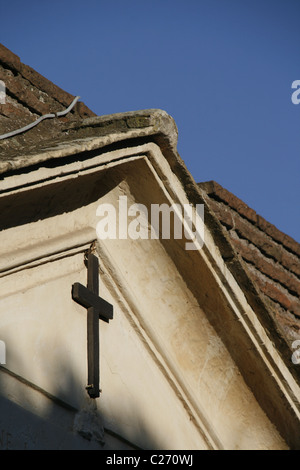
(97, 308)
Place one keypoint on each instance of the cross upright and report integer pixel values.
(97, 308)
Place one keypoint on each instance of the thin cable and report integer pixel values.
(45, 116)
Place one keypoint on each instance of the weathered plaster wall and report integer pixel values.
(168, 379)
(45, 336)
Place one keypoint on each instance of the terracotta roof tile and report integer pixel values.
(219, 193)
(11, 61)
(271, 258)
(29, 95)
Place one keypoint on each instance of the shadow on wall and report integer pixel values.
(32, 419)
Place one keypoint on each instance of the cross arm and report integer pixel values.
(88, 299)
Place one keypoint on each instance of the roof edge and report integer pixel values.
(13, 62)
(215, 190)
(97, 132)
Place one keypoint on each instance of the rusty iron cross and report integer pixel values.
(97, 308)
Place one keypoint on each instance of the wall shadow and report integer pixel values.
(32, 419)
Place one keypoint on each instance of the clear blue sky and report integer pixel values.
(222, 69)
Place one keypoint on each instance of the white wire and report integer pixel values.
(45, 116)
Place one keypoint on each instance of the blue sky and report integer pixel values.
(223, 69)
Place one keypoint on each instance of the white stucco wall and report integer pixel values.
(168, 380)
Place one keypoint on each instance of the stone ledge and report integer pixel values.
(94, 134)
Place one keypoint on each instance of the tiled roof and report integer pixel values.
(270, 257)
(29, 95)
